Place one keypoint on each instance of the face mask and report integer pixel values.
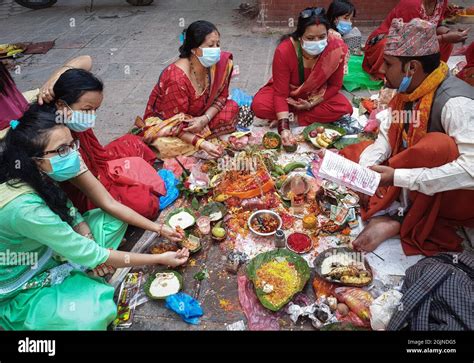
(65, 167)
(314, 47)
(81, 121)
(344, 27)
(405, 84)
(210, 56)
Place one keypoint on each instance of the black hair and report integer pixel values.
(304, 23)
(195, 35)
(339, 8)
(17, 166)
(73, 83)
(429, 62)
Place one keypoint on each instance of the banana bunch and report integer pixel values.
(9, 50)
(325, 139)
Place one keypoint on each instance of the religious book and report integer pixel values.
(349, 174)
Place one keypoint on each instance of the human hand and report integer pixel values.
(171, 234)
(455, 36)
(174, 259)
(197, 124)
(287, 138)
(387, 174)
(300, 104)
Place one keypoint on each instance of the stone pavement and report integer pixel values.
(130, 46)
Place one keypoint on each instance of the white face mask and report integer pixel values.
(210, 56)
(314, 47)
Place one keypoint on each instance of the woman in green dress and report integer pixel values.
(46, 246)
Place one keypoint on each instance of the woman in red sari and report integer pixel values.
(79, 93)
(429, 10)
(197, 86)
(308, 69)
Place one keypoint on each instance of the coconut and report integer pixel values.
(163, 284)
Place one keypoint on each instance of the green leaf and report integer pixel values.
(201, 275)
(300, 265)
(195, 203)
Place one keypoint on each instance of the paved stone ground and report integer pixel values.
(130, 46)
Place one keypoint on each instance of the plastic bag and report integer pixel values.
(185, 306)
(241, 97)
(383, 308)
(356, 299)
(357, 77)
(258, 318)
(172, 192)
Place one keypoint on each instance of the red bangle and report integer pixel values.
(283, 124)
(195, 140)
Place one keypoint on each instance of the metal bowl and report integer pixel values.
(260, 213)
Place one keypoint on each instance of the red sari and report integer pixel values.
(174, 93)
(407, 10)
(322, 84)
(467, 73)
(137, 196)
(12, 103)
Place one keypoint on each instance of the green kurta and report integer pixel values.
(31, 238)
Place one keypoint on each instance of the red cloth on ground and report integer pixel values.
(406, 10)
(467, 73)
(428, 227)
(12, 102)
(140, 197)
(326, 76)
(174, 93)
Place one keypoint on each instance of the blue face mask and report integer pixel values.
(65, 167)
(344, 27)
(210, 56)
(314, 47)
(405, 84)
(81, 121)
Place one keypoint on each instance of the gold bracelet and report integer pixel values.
(199, 142)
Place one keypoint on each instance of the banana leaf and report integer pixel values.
(300, 264)
(314, 126)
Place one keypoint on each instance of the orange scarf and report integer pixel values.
(426, 92)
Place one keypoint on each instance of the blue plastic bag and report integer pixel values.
(172, 191)
(185, 306)
(241, 97)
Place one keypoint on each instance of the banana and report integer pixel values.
(323, 144)
(292, 166)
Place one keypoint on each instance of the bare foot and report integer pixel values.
(377, 231)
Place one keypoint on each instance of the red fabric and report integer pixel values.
(271, 99)
(467, 73)
(327, 111)
(406, 10)
(140, 197)
(12, 102)
(428, 227)
(174, 93)
(133, 170)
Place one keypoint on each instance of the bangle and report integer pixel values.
(199, 142)
(160, 227)
(283, 124)
(208, 117)
(195, 140)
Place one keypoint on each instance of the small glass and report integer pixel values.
(204, 224)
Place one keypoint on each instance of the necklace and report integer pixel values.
(201, 84)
